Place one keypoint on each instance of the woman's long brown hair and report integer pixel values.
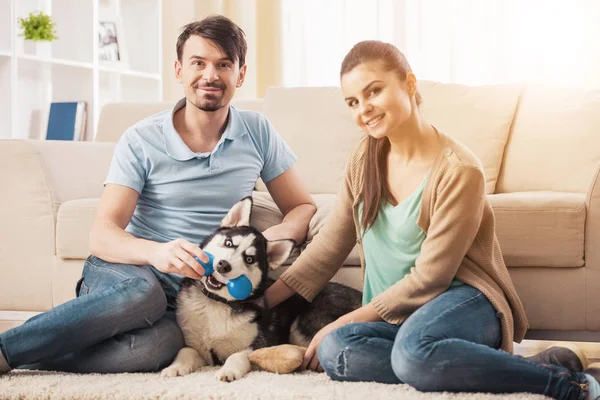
(375, 190)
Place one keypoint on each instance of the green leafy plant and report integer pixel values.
(38, 26)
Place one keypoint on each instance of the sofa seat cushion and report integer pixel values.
(535, 229)
(75, 218)
(540, 229)
(73, 225)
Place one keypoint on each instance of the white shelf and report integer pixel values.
(129, 72)
(5, 25)
(5, 97)
(57, 61)
(70, 69)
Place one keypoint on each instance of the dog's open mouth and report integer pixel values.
(213, 283)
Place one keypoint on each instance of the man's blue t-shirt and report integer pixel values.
(185, 194)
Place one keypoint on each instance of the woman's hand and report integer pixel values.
(366, 313)
(311, 358)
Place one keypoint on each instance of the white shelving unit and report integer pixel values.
(71, 70)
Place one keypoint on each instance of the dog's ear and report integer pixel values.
(278, 251)
(239, 215)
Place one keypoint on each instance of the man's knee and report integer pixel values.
(155, 348)
(170, 341)
(142, 299)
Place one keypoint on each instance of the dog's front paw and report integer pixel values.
(176, 370)
(227, 374)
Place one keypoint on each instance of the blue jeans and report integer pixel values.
(449, 344)
(123, 320)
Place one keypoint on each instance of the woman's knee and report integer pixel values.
(331, 352)
(412, 363)
(141, 298)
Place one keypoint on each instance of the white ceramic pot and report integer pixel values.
(40, 48)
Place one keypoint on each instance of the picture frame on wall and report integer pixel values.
(108, 43)
(112, 44)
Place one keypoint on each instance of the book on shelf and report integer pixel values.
(67, 121)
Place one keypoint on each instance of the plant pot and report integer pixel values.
(40, 48)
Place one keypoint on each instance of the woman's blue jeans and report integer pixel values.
(122, 320)
(449, 344)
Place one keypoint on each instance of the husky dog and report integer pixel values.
(220, 330)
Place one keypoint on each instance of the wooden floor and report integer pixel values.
(529, 347)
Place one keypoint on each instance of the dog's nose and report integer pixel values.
(223, 267)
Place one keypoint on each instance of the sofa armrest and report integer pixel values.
(592, 254)
(26, 229)
(592, 223)
(37, 176)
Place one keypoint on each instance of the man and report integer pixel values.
(172, 179)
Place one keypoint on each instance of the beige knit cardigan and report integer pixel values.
(461, 243)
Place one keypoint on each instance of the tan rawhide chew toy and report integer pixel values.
(282, 359)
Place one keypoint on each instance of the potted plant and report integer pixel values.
(39, 30)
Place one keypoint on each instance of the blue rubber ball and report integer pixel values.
(240, 288)
(208, 267)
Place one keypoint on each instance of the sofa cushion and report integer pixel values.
(477, 116)
(554, 142)
(62, 161)
(75, 218)
(115, 118)
(536, 229)
(317, 125)
(540, 229)
(73, 226)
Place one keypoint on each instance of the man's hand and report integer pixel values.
(311, 358)
(177, 257)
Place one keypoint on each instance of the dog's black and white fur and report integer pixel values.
(220, 330)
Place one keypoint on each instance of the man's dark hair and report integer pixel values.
(220, 30)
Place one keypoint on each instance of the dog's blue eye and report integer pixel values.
(228, 243)
(249, 259)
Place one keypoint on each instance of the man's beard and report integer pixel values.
(210, 102)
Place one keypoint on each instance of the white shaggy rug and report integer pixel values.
(203, 385)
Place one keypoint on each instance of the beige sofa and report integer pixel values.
(540, 149)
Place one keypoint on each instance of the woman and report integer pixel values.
(438, 302)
